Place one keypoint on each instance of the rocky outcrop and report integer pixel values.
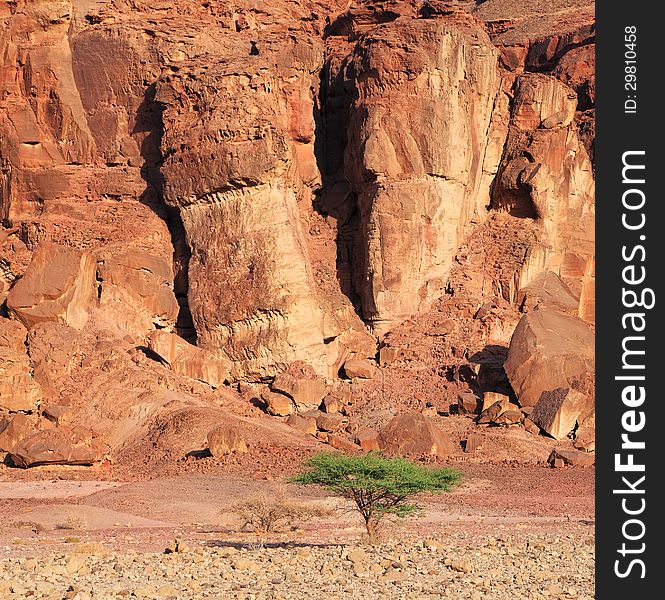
(259, 181)
(57, 286)
(419, 155)
(546, 175)
(62, 445)
(251, 291)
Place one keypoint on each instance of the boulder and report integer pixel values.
(341, 443)
(226, 439)
(57, 286)
(548, 351)
(361, 368)
(558, 410)
(59, 446)
(509, 417)
(13, 430)
(493, 413)
(18, 390)
(190, 361)
(490, 398)
(331, 422)
(136, 289)
(278, 405)
(547, 289)
(414, 435)
(468, 403)
(332, 404)
(574, 458)
(304, 424)
(368, 440)
(301, 383)
(387, 355)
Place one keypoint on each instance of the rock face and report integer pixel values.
(418, 155)
(414, 435)
(546, 175)
(53, 349)
(59, 446)
(57, 286)
(18, 390)
(251, 289)
(236, 190)
(550, 366)
(188, 360)
(302, 384)
(136, 287)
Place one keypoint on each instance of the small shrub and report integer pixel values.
(72, 540)
(73, 522)
(269, 513)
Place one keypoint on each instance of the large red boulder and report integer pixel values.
(59, 446)
(414, 435)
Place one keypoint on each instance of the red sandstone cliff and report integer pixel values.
(242, 186)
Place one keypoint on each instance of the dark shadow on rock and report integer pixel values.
(151, 354)
(491, 375)
(149, 120)
(336, 199)
(205, 453)
(259, 403)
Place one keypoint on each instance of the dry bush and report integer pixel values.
(271, 512)
(73, 522)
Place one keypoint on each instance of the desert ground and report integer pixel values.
(506, 532)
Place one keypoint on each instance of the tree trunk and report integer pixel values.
(371, 526)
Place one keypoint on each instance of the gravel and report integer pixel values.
(496, 568)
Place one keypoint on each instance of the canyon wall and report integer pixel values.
(234, 188)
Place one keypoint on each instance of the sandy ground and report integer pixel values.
(48, 516)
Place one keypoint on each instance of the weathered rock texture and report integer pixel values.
(418, 151)
(551, 367)
(57, 286)
(414, 435)
(61, 446)
(18, 389)
(137, 287)
(199, 194)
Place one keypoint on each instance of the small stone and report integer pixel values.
(461, 565)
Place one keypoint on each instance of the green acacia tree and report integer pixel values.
(377, 485)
